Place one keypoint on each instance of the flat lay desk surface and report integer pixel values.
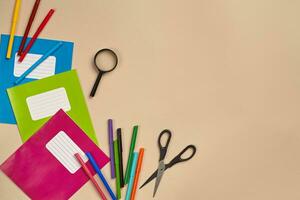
(223, 75)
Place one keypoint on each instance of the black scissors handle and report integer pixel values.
(175, 160)
(178, 158)
(163, 148)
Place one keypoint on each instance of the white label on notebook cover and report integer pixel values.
(48, 103)
(63, 148)
(45, 69)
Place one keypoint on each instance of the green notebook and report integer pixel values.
(36, 102)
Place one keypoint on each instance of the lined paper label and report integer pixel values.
(48, 103)
(45, 69)
(63, 148)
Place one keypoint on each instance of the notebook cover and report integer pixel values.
(63, 63)
(39, 173)
(20, 97)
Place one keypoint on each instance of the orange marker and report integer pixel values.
(137, 173)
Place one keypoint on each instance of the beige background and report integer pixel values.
(223, 75)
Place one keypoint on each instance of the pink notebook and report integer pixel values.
(45, 168)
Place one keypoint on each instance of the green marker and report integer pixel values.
(130, 156)
(117, 170)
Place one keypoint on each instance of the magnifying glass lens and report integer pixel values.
(105, 61)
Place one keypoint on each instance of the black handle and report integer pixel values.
(179, 158)
(163, 149)
(119, 137)
(96, 84)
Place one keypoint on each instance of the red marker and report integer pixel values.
(89, 174)
(36, 34)
(31, 18)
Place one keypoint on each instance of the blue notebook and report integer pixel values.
(11, 69)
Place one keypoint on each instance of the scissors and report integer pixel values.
(102, 71)
(162, 167)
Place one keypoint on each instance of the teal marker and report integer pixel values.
(132, 174)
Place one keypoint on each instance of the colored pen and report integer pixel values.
(98, 171)
(13, 28)
(89, 174)
(38, 62)
(132, 173)
(130, 156)
(30, 21)
(111, 147)
(120, 148)
(36, 34)
(117, 169)
(137, 173)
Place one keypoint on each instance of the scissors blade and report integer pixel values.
(160, 173)
(153, 176)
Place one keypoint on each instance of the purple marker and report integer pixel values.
(111, 147)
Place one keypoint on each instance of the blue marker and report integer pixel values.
(38, 62)
(96, 168)
(132, 174)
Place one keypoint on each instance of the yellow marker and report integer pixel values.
(13, 28)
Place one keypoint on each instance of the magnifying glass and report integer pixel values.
(105, 61)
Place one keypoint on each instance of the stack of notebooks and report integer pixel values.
(41, 93)
(54, 123)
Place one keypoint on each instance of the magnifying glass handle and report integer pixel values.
(96, 84)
